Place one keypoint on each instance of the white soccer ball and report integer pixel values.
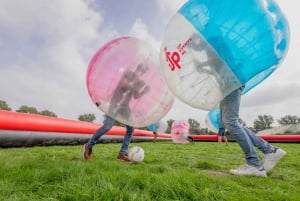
(136, 154)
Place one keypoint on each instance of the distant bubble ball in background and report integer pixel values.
(180, 131)
(213, 121)
(158, 127)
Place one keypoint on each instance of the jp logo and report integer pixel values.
(173, 58)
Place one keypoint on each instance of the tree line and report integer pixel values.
(262, 122)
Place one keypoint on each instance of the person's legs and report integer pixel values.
(258, 142)
(225, 139)
(219, 139)
(229, 116)
(190, 139)
(107, 125)
(247, 139)
(221, 133)
(87, 147)
(271, 159)
(127, 139)
(155, 136)
(271, 154)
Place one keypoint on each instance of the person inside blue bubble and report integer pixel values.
(245, 46)
(129, 86)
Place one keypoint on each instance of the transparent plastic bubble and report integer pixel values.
(124, 80)
(158, 127)
(180, 131)
(212, 48)
(213, 121)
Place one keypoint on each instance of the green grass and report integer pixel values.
(169, 172)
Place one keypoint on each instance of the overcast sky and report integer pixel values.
(46, 46)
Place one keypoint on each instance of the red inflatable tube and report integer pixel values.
(30, 122)
(205, 137)
(269, 138)
(281, 138)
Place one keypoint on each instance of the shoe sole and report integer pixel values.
(250, 175)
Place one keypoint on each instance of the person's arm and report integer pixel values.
(138, 86)
(140, 94)
(124, 82)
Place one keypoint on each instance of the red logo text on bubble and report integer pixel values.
(173, 58)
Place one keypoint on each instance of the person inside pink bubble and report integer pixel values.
(129, 86)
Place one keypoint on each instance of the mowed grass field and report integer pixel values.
(169, 171)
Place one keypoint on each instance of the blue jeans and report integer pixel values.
(107, 125)
(247, 139)
(221, 131)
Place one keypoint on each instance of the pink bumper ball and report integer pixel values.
(124, 80)
(180, 131)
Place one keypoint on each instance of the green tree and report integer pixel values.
(48, 113)
(194, 126)
(263, 122)
(288, 120)
(89, 117)
(241, 121)
(204, 131)
(27, 109)
(4, 106)
(169, 122)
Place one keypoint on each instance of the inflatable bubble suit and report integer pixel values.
(158, 127)
(213, 121)
(179, 131)
(212, 47)
(124, 80)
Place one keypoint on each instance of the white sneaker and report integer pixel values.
(249, 170)
(272, 158)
